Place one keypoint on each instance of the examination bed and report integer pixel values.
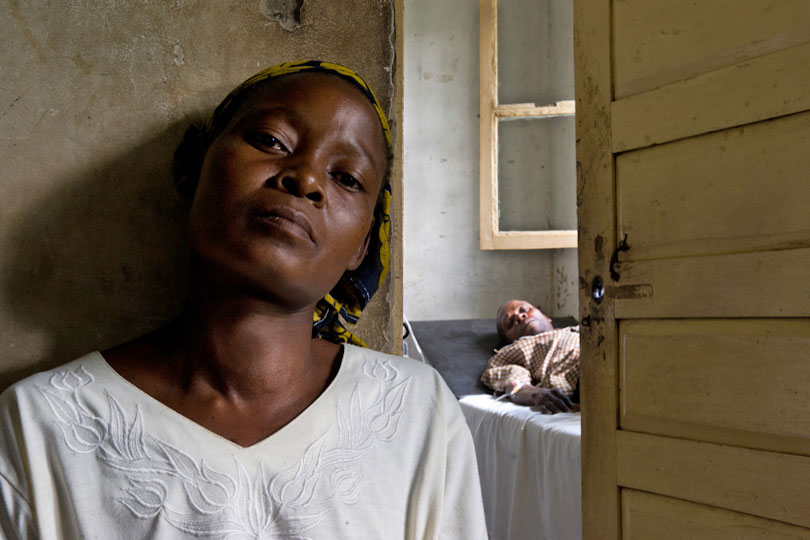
(529, 462)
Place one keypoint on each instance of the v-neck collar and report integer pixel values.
(302, 418)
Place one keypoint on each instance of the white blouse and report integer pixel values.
(383, 453)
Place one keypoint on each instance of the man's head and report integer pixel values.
(518, 318)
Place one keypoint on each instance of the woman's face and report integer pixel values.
(287, 191)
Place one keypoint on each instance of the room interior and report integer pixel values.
(693, 233)
(456, 274)
(683, 172)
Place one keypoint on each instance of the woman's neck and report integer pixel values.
(230, 345)
(237, 366)
(243, 346)
(237, 341)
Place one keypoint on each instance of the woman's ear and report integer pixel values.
(357, 260)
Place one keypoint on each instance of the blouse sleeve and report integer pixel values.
(16, 512)
(462, 508)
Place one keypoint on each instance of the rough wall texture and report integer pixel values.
(94, 97)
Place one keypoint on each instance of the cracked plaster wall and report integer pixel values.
(93, 100)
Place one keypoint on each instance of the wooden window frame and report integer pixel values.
(491, 237)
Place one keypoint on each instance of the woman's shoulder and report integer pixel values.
(70, 376)
(416, 380)
(35, 408)
(378, 364)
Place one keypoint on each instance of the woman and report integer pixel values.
(243, 418)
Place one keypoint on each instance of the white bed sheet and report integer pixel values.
(530, 469)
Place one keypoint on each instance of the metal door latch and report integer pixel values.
(614, 258)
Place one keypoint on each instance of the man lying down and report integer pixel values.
(539, 366)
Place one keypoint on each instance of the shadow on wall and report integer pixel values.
(101, 260)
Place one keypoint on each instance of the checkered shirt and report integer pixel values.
(549, 360)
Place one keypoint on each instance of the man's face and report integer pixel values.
(518, 318)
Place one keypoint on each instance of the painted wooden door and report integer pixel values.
(693, 150)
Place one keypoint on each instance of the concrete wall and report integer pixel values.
(446, 275)
(94, 97)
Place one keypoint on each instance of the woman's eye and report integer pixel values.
(265, 140)
(347, 180)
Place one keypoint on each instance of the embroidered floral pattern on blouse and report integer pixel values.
(165, 482)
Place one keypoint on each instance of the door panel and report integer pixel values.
(651, 516)
(758, 89)
(704, 379)
(714, 193)
(692, 192)
(719, 33)
(761, 284)
(767, 484)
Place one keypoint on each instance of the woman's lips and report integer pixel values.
(288, 220)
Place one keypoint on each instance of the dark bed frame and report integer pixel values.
(459, 349)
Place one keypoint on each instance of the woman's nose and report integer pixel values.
(302, 181)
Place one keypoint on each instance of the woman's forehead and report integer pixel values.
(287, 88)
(327, 94)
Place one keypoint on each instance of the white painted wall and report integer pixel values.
(446, 275)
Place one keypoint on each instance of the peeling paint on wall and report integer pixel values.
(179, 55)
(287, 13)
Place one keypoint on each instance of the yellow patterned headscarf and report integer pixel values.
(355, 289)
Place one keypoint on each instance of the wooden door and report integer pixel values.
(693, 130)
